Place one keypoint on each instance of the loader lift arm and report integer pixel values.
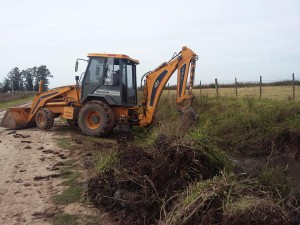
(156, 80)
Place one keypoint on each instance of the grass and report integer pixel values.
(268, 92)
(248, 125)
(14, 102)
(74, 191)
(106, 160)
(227, 125)
(7, 100)
(275, 178)
(225, 197)
(65, 219)
(79, 145)
(232, 126)
(71, 174)
(63, 142)
(70, 195)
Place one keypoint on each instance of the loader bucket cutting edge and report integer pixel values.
(15, 118)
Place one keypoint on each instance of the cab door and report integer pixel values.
(131, 84)
(93, 77)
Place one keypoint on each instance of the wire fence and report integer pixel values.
(281, 89)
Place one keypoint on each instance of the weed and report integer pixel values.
(74, 191)
(106, 160)
(225, 199)
(69, 163)
(63, 142)
(246, 125)
(70, 195)
(72, 177)
(275, 178)
(196, 198)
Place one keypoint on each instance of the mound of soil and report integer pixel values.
(153, 186)
(146, 179)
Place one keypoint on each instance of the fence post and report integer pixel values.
(260, 86)
(217, 86)
(200, 87)
(168, 88)
(235, 84)
(293, 86)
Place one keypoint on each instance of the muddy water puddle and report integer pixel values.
(288, 164)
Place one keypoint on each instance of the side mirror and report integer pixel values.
(76, 66)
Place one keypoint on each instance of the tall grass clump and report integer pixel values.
(167, 121)
(227, 199)
(247, 125)
(250, 126)
(253, 127)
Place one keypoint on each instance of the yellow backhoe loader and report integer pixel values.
(106, 99)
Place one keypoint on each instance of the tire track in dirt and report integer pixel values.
(23, 156)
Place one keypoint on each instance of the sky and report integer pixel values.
(233, 38)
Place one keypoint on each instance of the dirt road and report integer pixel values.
(25, 163)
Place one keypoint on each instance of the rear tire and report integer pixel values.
(96, 119)
(44, 119)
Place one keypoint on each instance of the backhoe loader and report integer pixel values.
(106, 98)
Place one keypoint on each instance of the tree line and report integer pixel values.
(26, 80)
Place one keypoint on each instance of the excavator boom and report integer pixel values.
(156, 80)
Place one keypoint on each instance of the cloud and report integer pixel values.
(232, 38)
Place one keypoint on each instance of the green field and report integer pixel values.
(268, 92)
(188, 172)
(18, 98)
(169, 152)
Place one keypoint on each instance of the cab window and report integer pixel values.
(95, 71)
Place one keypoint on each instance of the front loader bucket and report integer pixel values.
(16, 118)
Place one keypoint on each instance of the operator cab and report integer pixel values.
(112, 78)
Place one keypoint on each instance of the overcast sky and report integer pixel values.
(233, 38)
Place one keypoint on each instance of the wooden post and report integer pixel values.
(217, 86)
(168, 88)
(260, 86)
(200, 87)
(293, 86)
(235, 84)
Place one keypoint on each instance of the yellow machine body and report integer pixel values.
(57, 100)
(98, 105)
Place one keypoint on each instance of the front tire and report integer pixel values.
(44, 119)
(96, 119)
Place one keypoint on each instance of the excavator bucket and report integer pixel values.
(189, 116)
(16, 118)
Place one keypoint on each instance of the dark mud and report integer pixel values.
(135, 190)
(148, 186)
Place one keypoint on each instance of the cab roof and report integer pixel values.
(122, 56)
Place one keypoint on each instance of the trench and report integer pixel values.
(286, 163)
